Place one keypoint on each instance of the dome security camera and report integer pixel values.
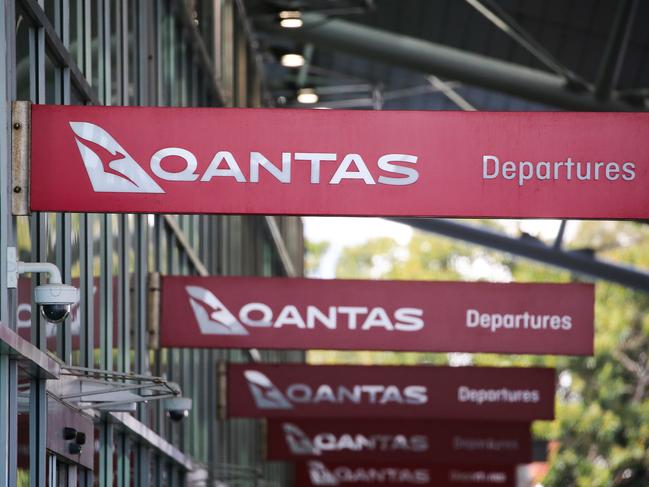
(55, 301)
(178, 408)
(54, 298)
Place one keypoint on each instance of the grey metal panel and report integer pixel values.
(106, 449)
(123, 294)
(87, 287)
(123, 460)
(106, 292)
(35, 362)
(8, 369)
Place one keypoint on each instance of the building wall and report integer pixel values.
(130, 52)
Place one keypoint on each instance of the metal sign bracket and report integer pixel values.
(20, 156)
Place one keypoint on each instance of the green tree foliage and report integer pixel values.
(603, 419)
(602, 425)
(314, 251)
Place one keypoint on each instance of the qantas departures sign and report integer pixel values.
(331, 162)
(413, 392)
(283, 313)
(403, 441)
(316, 473)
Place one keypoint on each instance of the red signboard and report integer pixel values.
(330, 162)
(399, 441)
(318, 473)
(413, 392)
(282, 313)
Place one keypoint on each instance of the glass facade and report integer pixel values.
(127, 52)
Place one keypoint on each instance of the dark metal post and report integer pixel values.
(573, 261)
(613, 58)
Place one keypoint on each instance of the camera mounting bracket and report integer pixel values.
(15, 268)
(108, 390)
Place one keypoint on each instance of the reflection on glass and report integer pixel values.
(22, 400)
(76, 32)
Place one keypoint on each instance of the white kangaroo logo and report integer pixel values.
(298, 441)
(117, 172)
(211, 314)
(264, 392)
(321, 475)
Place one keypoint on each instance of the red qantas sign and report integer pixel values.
(283, 313)
(317, 162)
(399, 441)
(339, 391)
(318, 473)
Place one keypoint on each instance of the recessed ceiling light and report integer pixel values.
(307, 96)
(290, 19)
(292, 60)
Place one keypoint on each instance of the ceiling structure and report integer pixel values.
(595, 47)
(498, 55)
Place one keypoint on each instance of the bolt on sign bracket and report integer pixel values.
(20, 156)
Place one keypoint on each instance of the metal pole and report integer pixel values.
(613, 58)
(574, 261)
(448, 62)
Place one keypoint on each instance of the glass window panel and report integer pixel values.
(53, 81)
(50, 232)
(167, 54)
(179, 81)
(24, 56)
(76, 31)
(153, 246)
(50, 10)
(96, 55)
(133, 46)
(75, 319)
(115, 52)
(227, 49)
(96, 271)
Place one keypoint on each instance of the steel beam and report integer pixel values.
(580, 263)
(614, 53)
(280, 246)
(448, 63)
(498, 16)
